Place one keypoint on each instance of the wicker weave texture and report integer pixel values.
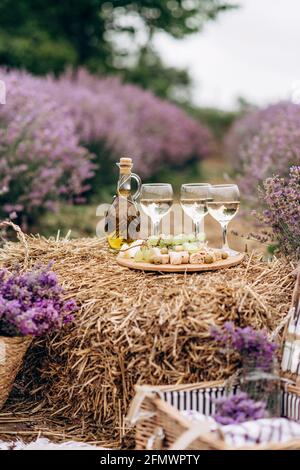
(163, 425)
(12, 351)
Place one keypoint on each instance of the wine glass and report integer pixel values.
(193, 200)
(156, 201)
(223, 206)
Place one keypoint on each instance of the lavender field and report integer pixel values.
(149, 227)
(61, 137)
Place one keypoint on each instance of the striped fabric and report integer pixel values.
(250, 432)
(290, 406)
(202, 400)
(261, 431)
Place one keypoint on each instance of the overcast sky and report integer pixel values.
(253, 52)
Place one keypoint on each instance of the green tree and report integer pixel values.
(48, 35)
(150, 72)
(72, 31)
(176, 17)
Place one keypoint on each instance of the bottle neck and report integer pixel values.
(124, 182)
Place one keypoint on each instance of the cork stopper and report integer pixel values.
(125, 165)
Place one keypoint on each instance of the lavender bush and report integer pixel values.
(282, 214)
(127, 120)
(250, 344)
(239, 408)
(32, 303)
(41, 160)
(47, 125)
(264, 143)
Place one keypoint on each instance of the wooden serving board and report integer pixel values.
(181, 268)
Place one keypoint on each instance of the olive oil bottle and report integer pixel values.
(122, 221)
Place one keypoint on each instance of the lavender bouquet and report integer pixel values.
(259, 377)
(282, 214)
(250, 344)
(32, 303)
(239, 408)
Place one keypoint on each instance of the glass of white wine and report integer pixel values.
(223, 207)
(193, 200)
(156, 201)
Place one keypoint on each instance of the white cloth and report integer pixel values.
(260, 431)
(45, 444)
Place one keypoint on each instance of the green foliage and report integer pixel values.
(81, 220)
(48, 35)
(48, 54)
(176, 17)
(104, 182)
(190, 173)
(164, 81)
(77, 23)
(217, 120)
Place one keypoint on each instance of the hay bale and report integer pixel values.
(136, 327)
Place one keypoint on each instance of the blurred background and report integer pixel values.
(193, 90)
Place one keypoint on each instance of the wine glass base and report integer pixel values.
(230, 251)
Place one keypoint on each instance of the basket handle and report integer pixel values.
(198, 430)
(155, 441)
(135, 413)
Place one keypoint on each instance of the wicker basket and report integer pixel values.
(156, 412)
(159, 423)
(12, 351)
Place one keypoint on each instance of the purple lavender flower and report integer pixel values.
(41, 160)
(239, 408)
(250, 344)
(45, 120)
(130, 121)
(47, 124)
(282, 214)
(32, 303)
(263, 143)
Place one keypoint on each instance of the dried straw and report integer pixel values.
(134, 327)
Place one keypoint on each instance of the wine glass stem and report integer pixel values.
(156, 228)
(197, 228)
(224, 235)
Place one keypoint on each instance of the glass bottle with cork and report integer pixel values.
(122, 221)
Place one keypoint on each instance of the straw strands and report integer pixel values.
(134, 327)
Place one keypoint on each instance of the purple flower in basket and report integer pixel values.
(249, 343)
(239, 408)
(32, 303)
